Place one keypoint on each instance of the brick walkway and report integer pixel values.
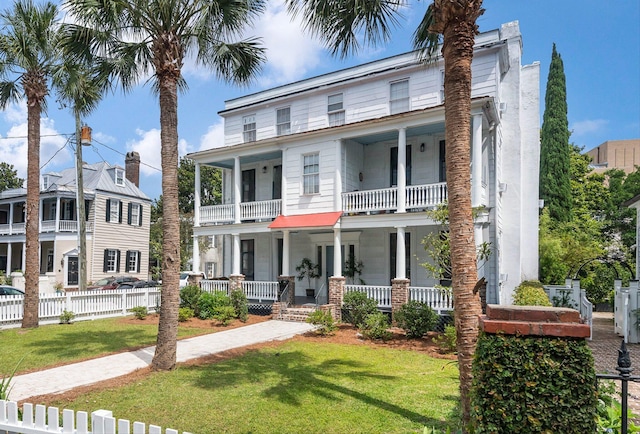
(605, 345)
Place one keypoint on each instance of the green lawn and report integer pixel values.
(293, 388)
(54, 344)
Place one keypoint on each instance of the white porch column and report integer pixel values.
(337, 179)
(283, 192)
(57, 214)
(196, 255)
(235, 268)
(402, 169)
(285, 252)
(337, 253)
(196, 200)
(401, 262)
(476, 161)
(11, 219)
(24, 255)
(9, 254)
(237, 189)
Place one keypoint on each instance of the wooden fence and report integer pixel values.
(39, 419)
(84, 305)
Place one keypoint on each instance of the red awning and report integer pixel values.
(321, 219)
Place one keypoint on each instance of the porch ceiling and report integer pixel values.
(393, 134)
(247, 159)
(317, 220)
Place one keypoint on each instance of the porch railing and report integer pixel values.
(13, 228)
(381, 294)
(215, 285)
(429, 195)
(261, 291)
(439, 299)
(382, 199)
(262, 209)
(63, 226)
(217, 214)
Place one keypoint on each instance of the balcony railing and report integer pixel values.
(421, 196)
(259, 210)
(45, 226)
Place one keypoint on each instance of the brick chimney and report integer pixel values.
(132, 167)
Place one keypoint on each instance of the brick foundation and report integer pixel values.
(534, 321)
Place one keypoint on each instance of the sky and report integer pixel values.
(599, 43)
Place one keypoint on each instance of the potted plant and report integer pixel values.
(307, 269)
(353, 269)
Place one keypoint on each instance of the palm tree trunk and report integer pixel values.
(459, 34)
(32, 225)
(165, 354)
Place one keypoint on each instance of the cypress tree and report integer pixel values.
(555, 179)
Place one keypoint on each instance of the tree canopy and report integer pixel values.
(9, 177)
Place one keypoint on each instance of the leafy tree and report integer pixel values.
(555, 186)
(29, 56)
(9, 177)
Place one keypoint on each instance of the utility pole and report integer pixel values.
(83, 137)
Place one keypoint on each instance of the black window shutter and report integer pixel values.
(129, 213)
(128, 256)
(120, 212)
(138, 261)
(105, 261)
(140, 216)
(108, 213)
(118, 261)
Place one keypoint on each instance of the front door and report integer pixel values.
(72, 270)
(249, 185)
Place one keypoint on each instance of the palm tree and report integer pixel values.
(29, 55)
(132, 37)
(339, 22)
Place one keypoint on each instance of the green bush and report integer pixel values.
(533, 385)
(357, 306)
(240, 304)
(66, 317)
(140, 312)
(210, 304)
(376, 326)
(448, 340)
(530, 293)
(225, 314)
(185, 314)
(189, 296)
(324, 321)
(416, 318)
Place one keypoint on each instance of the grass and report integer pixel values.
(292, 388)
(50, 345)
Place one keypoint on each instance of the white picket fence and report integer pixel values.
(39, 419)
(84, 305)
(261, 291)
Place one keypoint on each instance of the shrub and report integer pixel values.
(533, 385)
(324, 321)
(448, 340)
(189, 296)
(358, 306)
(416, 318)
(530, 293)
(66, 317)
(209, 304)
(376, 326)
(140, 312)
(184, 314)
(240, 304)
(225, 314)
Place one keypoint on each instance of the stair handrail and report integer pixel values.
(321, 291)
(284, 301)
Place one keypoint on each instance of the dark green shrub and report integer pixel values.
(324, 321)
(210, 304)
(530, 293)
(185, 314)
(416, 318)
(240, 304)
(140, 312)
(533, 385)
(225, 314)
(376, 326)
(357, 306)
(189, 296)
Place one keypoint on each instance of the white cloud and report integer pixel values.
(589, 126)
(149, 147)
(214, 138)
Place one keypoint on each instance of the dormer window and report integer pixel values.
(120, 177)
(46, 182)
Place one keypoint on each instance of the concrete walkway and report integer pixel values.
(67, 377)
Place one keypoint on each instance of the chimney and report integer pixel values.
(132, 167)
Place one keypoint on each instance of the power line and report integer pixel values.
(54, 155)
(42, 135)
(119, 152)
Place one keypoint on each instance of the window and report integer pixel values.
(283, 121)
(311, 174)
(134, 217)
(133, 261)
(399, 100)
(443, 162)
(442, 86)
(45, 182)
(119, 177)
(114, 211)
(247, 254)
(335, 109)
(249, 128)
(111, 261)
(210, 269)
(394, 166)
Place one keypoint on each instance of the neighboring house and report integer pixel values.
(346, 163)
(117, 224)
(616, 154)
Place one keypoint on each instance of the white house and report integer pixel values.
(346, 163)
(118, 220)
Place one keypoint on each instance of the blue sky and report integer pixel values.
(599, 43)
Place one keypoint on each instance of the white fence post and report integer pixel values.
(632, 336)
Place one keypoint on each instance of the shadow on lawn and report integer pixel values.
(297, 376)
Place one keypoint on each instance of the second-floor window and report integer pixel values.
(111, 261)
(135, 214)
(311, 174)
(114, 211)
(399, 96)
(335, 109)
(119, 177)
(249, 128)
(283, 121)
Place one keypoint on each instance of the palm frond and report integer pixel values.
(425, 40)
(235, 62)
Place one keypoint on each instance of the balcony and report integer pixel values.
(46, 226)
(262, 210)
